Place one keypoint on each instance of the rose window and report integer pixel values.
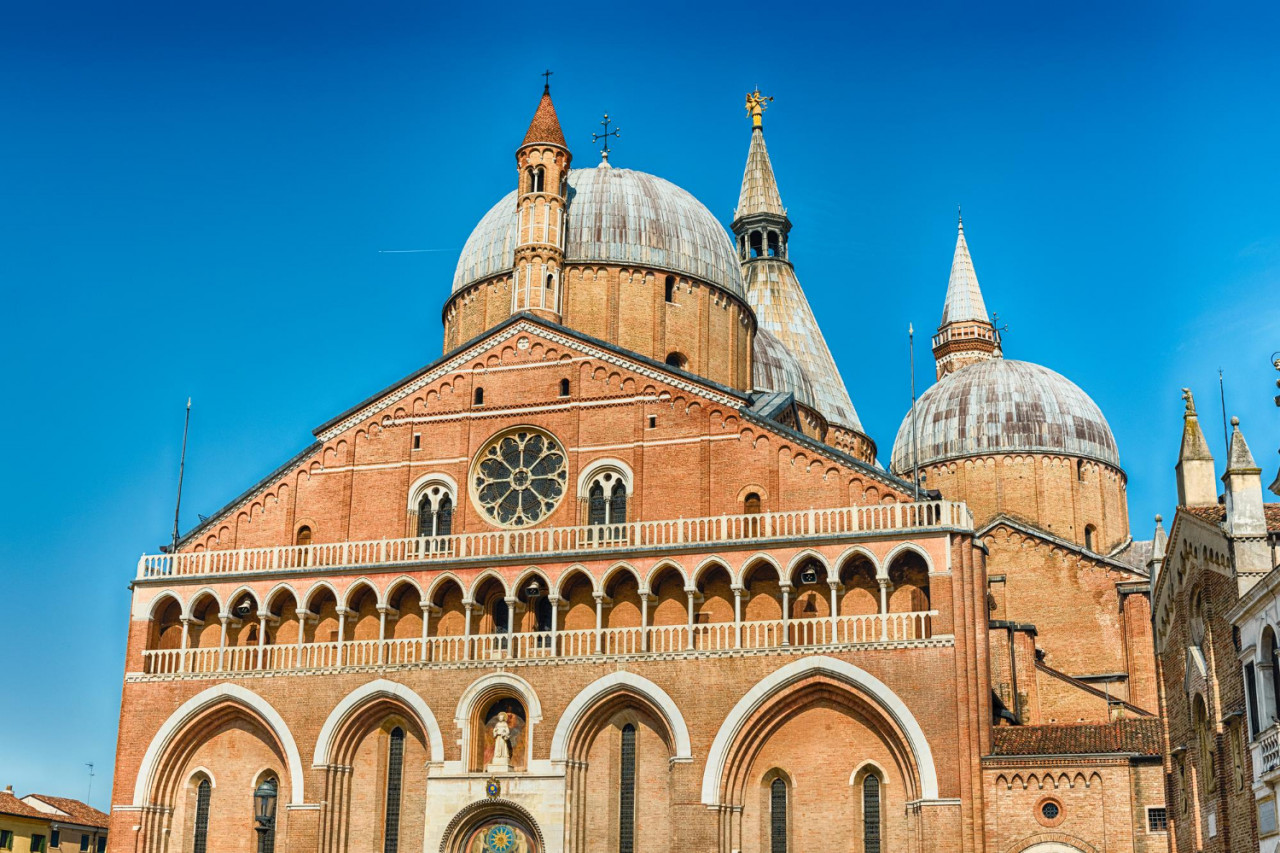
(519, 477)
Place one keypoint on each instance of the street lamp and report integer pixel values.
(264, 812)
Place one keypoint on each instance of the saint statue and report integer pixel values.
(502, 741)
(756, 105)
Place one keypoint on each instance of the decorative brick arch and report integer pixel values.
(248, 702)
(775, 683)
(1051, 842)
(374, 690)
(480, 810)
(608, 685)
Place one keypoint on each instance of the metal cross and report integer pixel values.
(546, 87)
(596, 137)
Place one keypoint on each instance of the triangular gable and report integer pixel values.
(382, 406)
(1034, 532)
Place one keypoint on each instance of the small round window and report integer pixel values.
(519, 477)
(1050, 811)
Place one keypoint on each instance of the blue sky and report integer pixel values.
(194, 196)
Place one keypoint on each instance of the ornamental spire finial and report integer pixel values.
(756, 105)
(596, 137)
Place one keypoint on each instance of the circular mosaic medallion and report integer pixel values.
(500, 839)
(519, 477)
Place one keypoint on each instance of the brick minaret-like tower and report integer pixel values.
(543, 164)
(966, 334)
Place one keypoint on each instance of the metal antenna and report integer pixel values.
(89, 796)
(915, 454)
(1226, 437)
(182, 464)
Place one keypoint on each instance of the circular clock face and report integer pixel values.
(519, 477)
(500, 839)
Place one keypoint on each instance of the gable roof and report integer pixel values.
(1032, 530)
(741, 401)
(78, 813)
(1130, 737)
(11, 805)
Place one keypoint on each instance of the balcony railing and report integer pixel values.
(1266, 755)
(498, 544)
(720, 637)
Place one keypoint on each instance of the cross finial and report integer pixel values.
(756, 105)
(546, 87)
(596, 137)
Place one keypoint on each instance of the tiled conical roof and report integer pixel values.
(759, 187)
(964, 297)
(545, 126)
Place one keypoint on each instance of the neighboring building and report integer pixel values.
(619, 573)
(38, 823)
(1211, 629)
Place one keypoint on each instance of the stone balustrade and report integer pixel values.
(497, 545)
(703, 638)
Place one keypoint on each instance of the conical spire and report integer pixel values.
(1159, 541)
(545, 126)
(1239, 458)
(1194, 446)
(1196, 483)
(759, 187)
(964, 297)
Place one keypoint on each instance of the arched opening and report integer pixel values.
(861, 588)
(435, 511)
(909, 582)
(494, 618)
(676, 359)
(303, 536)
(499, 734)
(757, 244)
(621, 613)
(564, 387)
(773, 244)
(537, 179)
(395, 779)
(1089, 531)
(404, 621)
(668, 614)
(751, 503)
(871, 814)
(477, 399)
(627, 791)
(778, 816)
(446, 616)
(200, 830)
(713, 613)
(578, 608)
(283, 626)
(671, 288)
(810, 600)
(761, 606)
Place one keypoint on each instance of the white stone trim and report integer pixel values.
(482, 686)
(612, 683)
(782, 678)
(200, 702)
(599, 466)
(902, 549)
(421, 484)
(381, 688)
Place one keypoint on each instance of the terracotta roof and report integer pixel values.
(545, 126)
(78, 812)
(1130, 737)
(1218, 513)
(11, 805)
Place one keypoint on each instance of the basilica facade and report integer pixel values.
(621, 572)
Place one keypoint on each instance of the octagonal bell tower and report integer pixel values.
(542, 161)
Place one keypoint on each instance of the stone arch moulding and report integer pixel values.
(603, 687)
(847, 673)
(1052, 842)
(485, 686)
(472, 814)
(908, 548)
(178, 720)
(382, 688)
(599, 466)
(437, 478)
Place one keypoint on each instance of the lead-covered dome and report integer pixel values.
(616, 216)
(774, 368)
(1004, 406)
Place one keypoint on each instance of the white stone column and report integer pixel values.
(786, 614)
(737, 617)
(382, 634)
(554, 601)
(644, 621)
(884, 607)
(835, 607)
(262, 638)
(599, 597)
(222, 642)
(466, 630)
(342, 633)
(303, 616)
(690, 592)
(509, 641)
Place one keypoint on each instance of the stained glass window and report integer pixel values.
(778, 817)
(202, 816)
(395, 771)
(520, 477)
(871, 815)
(627, 786)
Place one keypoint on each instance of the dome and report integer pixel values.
(774, 368)
(1003, 406)
(615, 216)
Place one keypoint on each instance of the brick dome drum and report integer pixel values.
(615, 216)
(1004, 406)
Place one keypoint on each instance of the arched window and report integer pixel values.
(607, 499)
(395, 774)
(675, 359)
(757, 244)
(778, 816)
(773, 244)
(199, 844)
(501, 615)
(537, 179)
(1088, 536)
(267, 842)
(478, 397)
(564, 387)
(671, 288)
(304, 536)
(751, 503)
(627, 792)
(435, 512)
(551, 281)
(871, 814)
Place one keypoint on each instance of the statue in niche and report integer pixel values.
(501, 741)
